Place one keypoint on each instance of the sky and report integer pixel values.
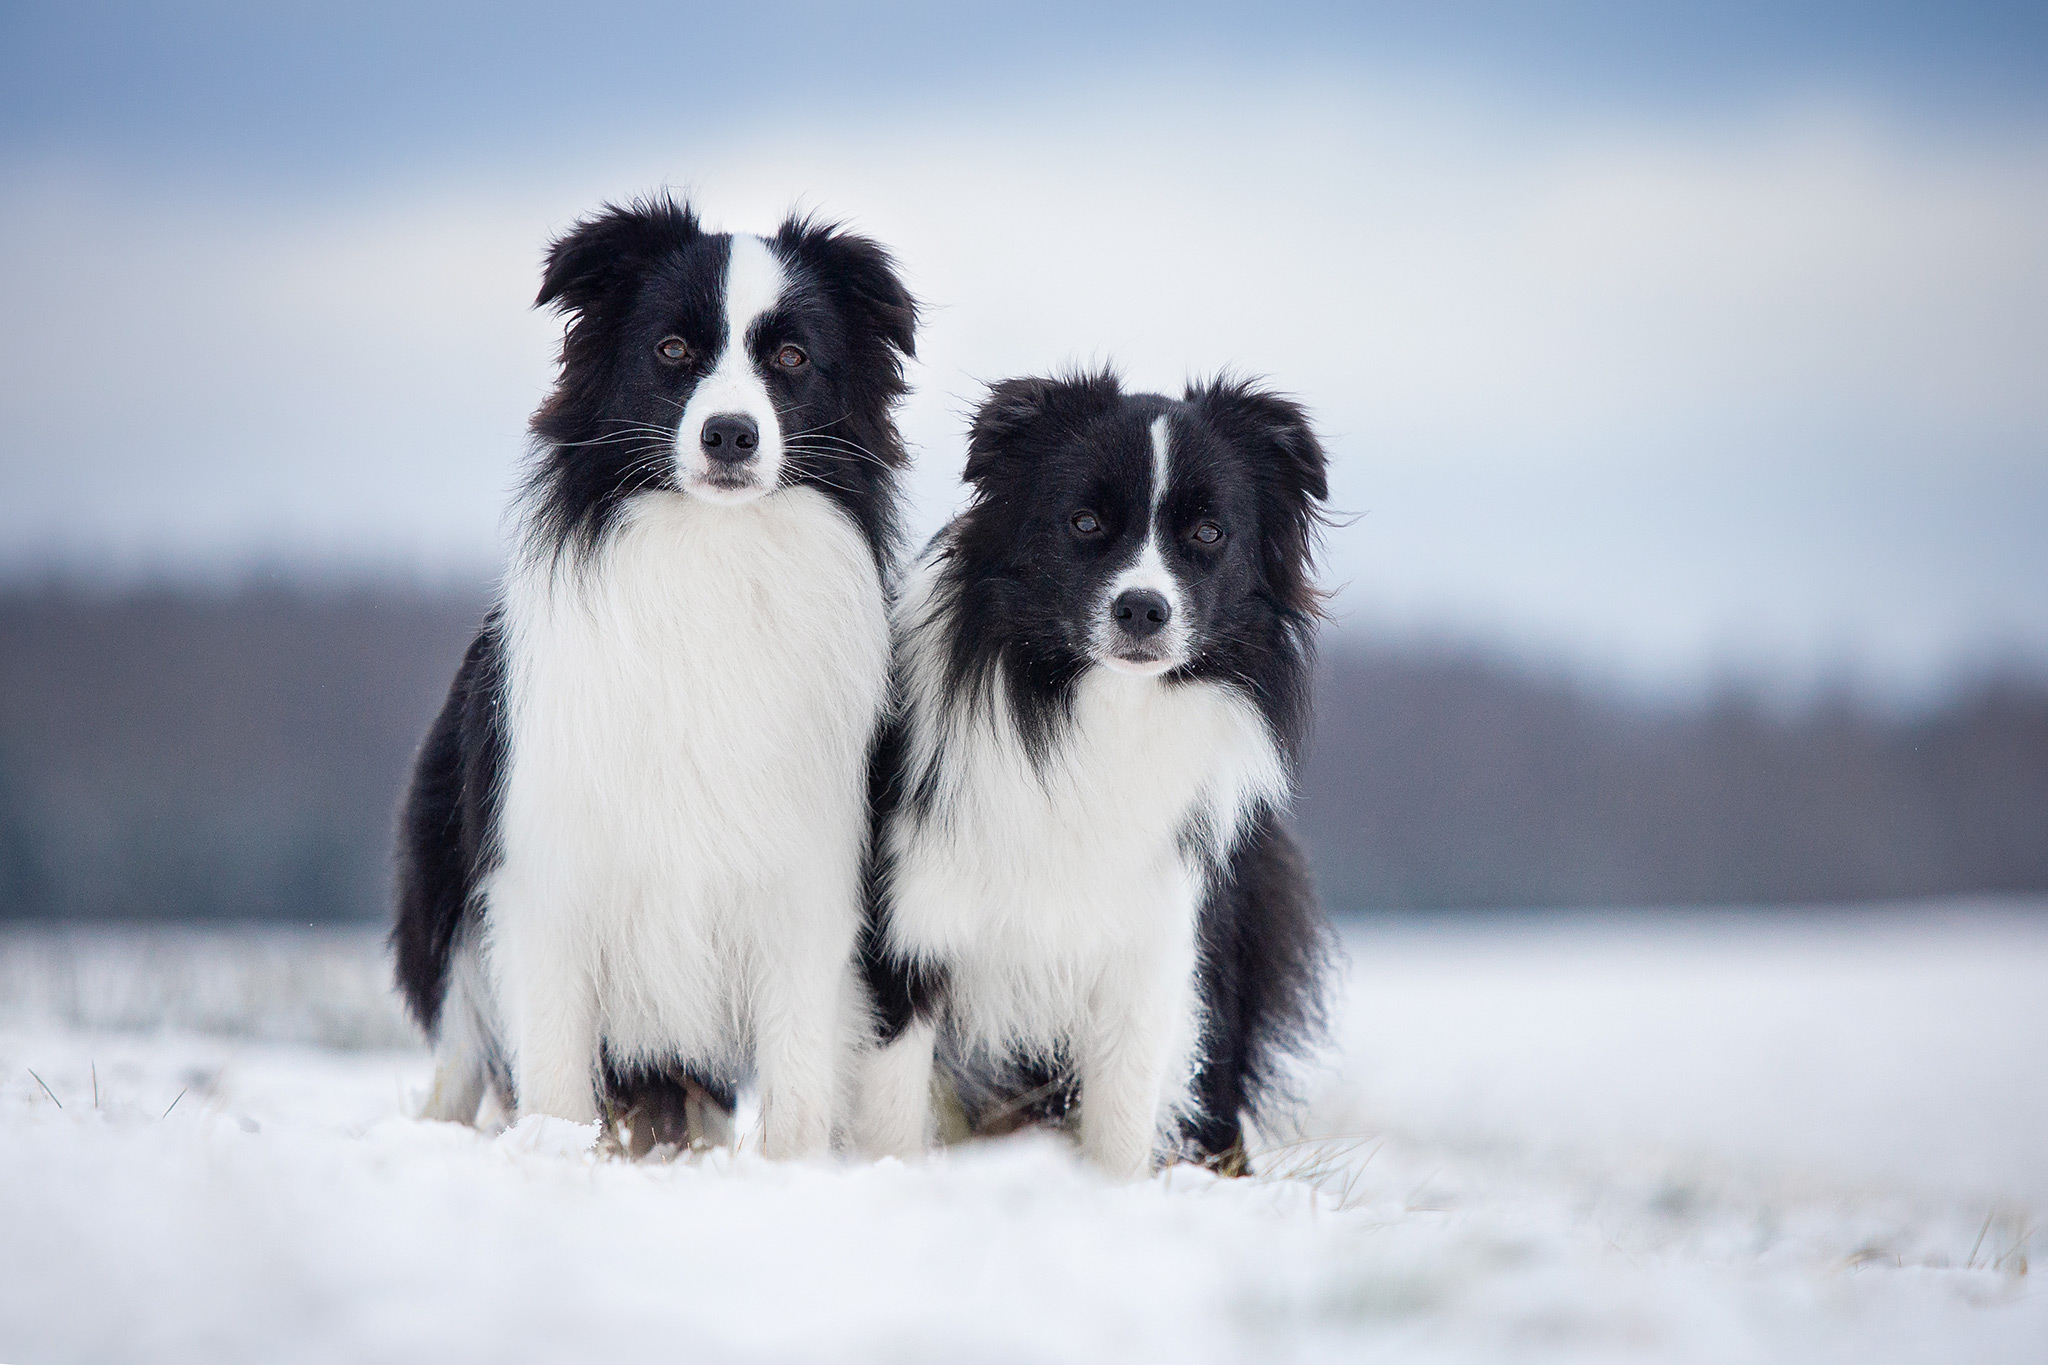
(1672, 347)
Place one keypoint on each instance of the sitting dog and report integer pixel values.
(630, 863)
(1082, 890)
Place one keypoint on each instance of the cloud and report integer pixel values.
(1754, 391)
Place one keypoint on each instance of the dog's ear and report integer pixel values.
(1011, 406)
(1293, 478)
(591, 260)
(1016, 408)
(1273, 430)
(861, 275)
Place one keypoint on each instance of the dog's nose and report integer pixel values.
(730, 437)
(1140, 612)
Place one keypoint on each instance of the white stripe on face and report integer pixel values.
(754, 281)
(1162, 465)
(1169, 648)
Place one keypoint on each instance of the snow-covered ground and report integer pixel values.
(1681, 1137)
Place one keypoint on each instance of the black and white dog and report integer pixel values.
(1082, 888)
(632, 853)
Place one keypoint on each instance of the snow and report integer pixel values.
(1655, 1137)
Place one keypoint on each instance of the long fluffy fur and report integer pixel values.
(1083, 889)
(630, 861)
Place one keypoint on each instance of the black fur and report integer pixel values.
(630, 276)
(1266, 946)
(897, 991)
(445, 841)
(1020, 592)
(1040, 447)
(649, 1107)
(626, 278)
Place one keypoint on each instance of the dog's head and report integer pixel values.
(723, 366)
(1139, 533)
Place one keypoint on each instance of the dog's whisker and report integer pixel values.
(845, 452)
(621, 437)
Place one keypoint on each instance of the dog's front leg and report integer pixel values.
(1139, 1016)
(801, 1033)
(550, 1004)
(1121, 1069)
(893, 1111)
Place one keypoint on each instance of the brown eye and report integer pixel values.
(674, 350)
(1207, 533)
(791, 358)
(1085, 523)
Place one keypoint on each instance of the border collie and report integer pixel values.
(1083, 894)
(631, 858)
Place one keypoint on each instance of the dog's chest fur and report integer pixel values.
(690, 715)
(1035, 884)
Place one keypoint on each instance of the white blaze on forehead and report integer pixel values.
(1162, 468)
(754, 281)
(753, 284)
(1150, 561)
(1151, 571)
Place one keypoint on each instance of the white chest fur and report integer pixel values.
(685, 798)
(1044, 887)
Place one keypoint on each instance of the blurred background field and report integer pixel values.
(170, 754)
(327, 988)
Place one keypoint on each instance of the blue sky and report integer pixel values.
(283, 90)
(1666, 343)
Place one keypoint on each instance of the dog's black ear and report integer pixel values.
(1293, 476)
(1274, 430)
(613, 246)
(1015, 407)
(1011, 406)
(860, 273)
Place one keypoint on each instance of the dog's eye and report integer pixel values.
(1206, 533)
(792, 358)
(674, 350)
(1085, 523)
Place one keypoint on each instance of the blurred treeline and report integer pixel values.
(1441, 779)
(183, 755)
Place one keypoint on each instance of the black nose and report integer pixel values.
(730, 437)
(1141, 612)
